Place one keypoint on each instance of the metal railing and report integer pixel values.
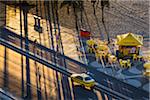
(4, 95)
(60, 69)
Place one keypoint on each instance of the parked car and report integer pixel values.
(84, 80)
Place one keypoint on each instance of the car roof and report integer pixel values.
(82, 75)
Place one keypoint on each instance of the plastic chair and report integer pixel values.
(90, 49)
(121, 63)
(135, 57)
(128, 63)
(139, 57)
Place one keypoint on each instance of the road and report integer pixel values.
(105, 80)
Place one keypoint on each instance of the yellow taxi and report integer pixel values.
(83, 80)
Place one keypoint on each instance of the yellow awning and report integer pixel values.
(129, 39)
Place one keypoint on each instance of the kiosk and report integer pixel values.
(129, 45)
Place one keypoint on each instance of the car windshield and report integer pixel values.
(79, 77)
(88, 78)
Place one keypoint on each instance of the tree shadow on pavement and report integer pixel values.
(38, 81)
(5, 73)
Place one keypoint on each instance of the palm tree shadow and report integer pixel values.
(45, 88)
(99, 28)
(45, 54)
(64, 81)
(5, 73)
(87, 21)
(22, 65)
(38, 74)
(50, 56)
(38, 81)
(66, 87)
(25, 15)
(44, 77)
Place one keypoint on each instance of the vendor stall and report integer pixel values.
(129, 45)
